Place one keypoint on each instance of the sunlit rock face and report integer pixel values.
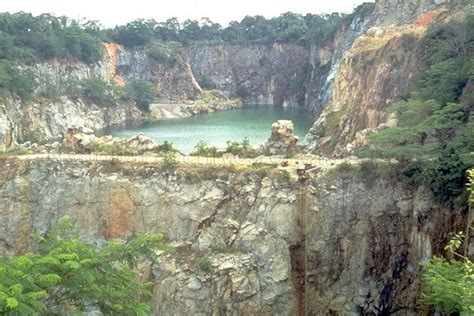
(237, 234)
(282, 140)
(377, 69)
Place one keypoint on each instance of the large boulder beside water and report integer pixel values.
(283, 140)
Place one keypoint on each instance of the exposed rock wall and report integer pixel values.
(174, 82)
(237, 234)
(260, 74)
(48, 120)
(403, 12)
(376, 70)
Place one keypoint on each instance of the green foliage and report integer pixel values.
(168, 53)
(434, 119)
(205, 264)
(34, 136)
(142, 92)
(203, 149)
(443, 81)
(133, 34)
(96, 90)
(448, 176)
(66, 276)
(287, 28)
(449, 283)
(47, 88)
(26, 38)
(14, 80)
(169, 159)
(436, 122)
(241, 149)
(106, 149)
(166, 146)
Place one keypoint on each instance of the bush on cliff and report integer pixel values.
(435, 123)
(449, 282)
(142, 92)
(15, 81)
(66, 276)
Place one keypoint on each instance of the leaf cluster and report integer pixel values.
(64, 275)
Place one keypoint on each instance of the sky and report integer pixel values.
(117, 12)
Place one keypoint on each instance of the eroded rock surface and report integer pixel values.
(282, 140)
(236, 233)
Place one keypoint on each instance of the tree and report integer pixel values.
(134, 34)
(96, 90)
(142, 92)
(66, 276)
(449, 283)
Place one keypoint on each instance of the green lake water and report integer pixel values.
(216, 128)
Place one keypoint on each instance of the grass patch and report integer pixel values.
(204, 264)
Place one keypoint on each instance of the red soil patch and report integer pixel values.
(111, 49)
(426, 19)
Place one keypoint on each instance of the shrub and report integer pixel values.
(168, 53)
(63, 275)
(170, 159)
(16, 81)
(96, 89)
(166, 146)
(203, 149)
(141, 92)
(205, 264)
(107, 149)
(242, 149)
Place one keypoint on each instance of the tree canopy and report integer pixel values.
(309, 29)
(65, 276)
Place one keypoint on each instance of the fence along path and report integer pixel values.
(195, 160)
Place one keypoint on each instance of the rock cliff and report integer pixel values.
(377, 69)
(48, 120)
(259, 74)
(351, 78)
(240, 248)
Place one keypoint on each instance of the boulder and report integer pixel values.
(140, 143)
(78, 139)
(283, 139)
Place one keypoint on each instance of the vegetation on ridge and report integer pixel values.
(435, 121)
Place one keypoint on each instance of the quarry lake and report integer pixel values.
(216, 128)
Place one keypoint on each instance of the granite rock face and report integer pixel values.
(376, 69)
(44, 120)
(237, 234)
(282, 140)
(259, 74)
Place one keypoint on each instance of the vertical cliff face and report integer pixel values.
(377, 69)
(245, 242)
(260, 74)
(174, 82)
(326, 61)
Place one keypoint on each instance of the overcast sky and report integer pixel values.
(113, 12)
